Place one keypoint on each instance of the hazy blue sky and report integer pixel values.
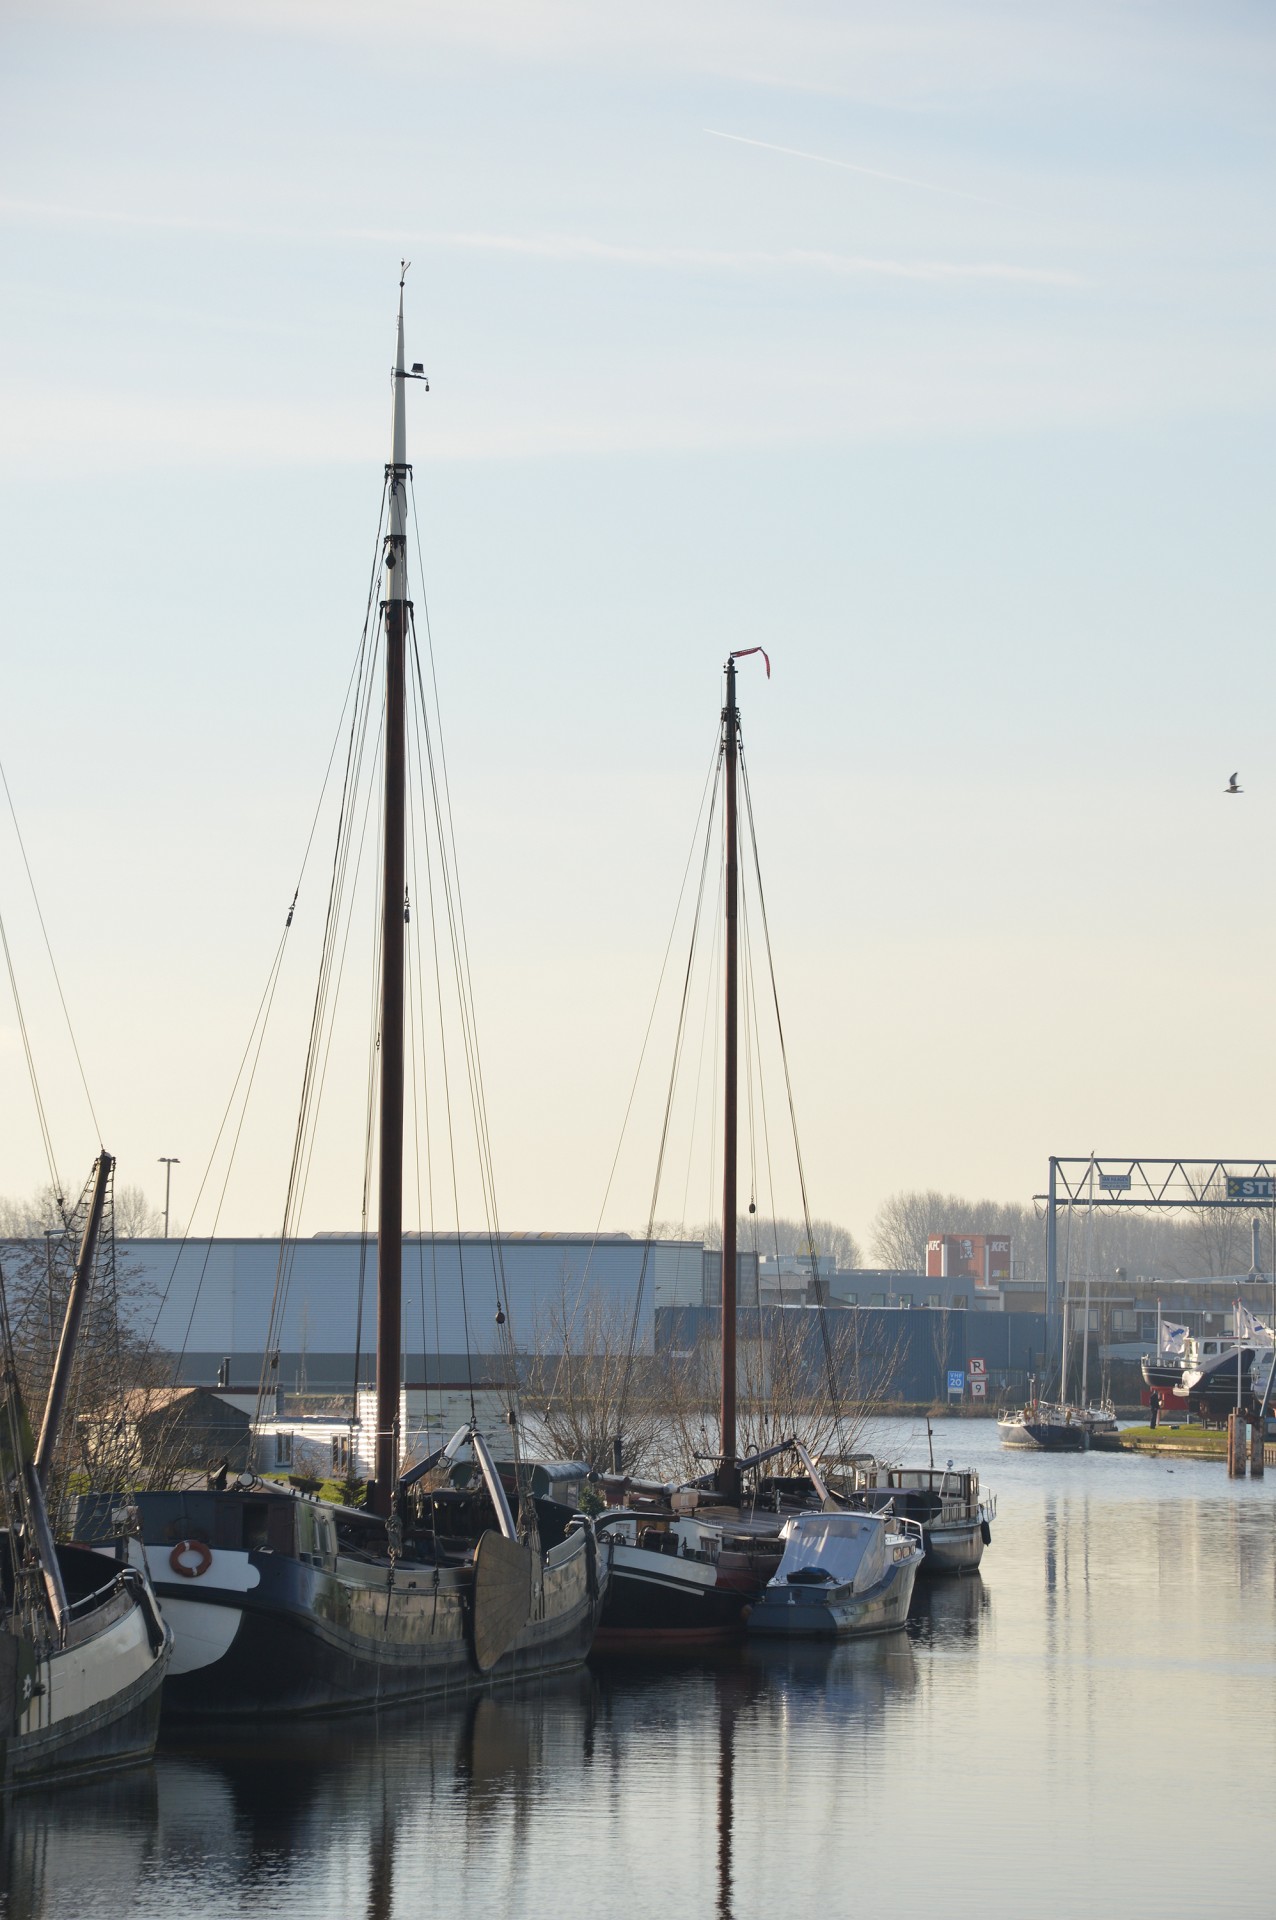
(948, 376)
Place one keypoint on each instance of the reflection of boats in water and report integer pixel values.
(948, 1609)
(836, 1677)
(55, 1845)
(387, 1814)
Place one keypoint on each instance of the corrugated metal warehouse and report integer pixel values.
(210, 1300)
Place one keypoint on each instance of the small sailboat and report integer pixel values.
(83, 1648)
(282, 1603)
(1045, 1425)
(686, 1562)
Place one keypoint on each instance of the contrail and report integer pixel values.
(873, 173)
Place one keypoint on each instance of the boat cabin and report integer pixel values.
(677, 1535)
(835, 1549)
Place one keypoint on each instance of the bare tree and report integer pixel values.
(47, 1212)
(785, 1237)
(97, 1440)
(587, 1388)
(135, 1217)
(44, 1212)
(1214, 1240)
(817, 1376)
(904, 1222)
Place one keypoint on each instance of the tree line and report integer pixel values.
(1191, 1243)
(44, 1212)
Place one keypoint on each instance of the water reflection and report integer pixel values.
(52, 1843)
(957, 1607)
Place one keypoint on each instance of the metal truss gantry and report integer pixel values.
(1105, 1180)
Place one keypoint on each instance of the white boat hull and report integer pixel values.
(92, 1704)
(838, 1612)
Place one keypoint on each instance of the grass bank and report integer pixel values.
(1192, 1442)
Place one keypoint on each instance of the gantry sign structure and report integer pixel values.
(1102, 1180)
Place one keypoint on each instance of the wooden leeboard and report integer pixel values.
(502, 1597)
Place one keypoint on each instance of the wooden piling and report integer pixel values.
(1257, 1450)
(1235, 1446)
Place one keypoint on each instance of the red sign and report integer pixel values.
(976, 1366)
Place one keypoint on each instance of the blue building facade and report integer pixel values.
(210, 1301)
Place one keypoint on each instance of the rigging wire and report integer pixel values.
(265, 1005)
(706, 797)
(465, 975)
(449, 879)
(829, 1363)
(57, 979)
(752, 1021)
(679, 1039)
(45, 1135)
(445, 1070)
(327, 992)
(418, 1014)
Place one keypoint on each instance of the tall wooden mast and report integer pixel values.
(728, 1471)
(395, 611)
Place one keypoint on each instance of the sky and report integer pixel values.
(927, 346)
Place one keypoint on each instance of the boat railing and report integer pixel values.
(126, 1580)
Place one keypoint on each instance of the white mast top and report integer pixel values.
(396, 547)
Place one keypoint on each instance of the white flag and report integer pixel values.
(1173, 1339)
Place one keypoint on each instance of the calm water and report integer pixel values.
(1068, 1733)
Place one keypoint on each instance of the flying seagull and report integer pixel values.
(1232, 787)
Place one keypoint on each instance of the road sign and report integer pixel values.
(956, 1383)
(976, 1366)
(979, 1389)
(1257, 1188)
(1115, 1182)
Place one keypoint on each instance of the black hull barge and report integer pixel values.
(663, 1588)
(312, 1621)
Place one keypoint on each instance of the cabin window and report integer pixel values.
(905, 1299)
(934, 1300)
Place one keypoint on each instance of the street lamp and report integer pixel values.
(168, 1161)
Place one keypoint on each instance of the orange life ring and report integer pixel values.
(203, 1555)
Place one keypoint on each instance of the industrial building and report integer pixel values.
(209, 1301)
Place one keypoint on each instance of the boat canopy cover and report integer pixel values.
(849, 1548)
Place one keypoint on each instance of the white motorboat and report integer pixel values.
(842, 1574)
(955, 1516)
